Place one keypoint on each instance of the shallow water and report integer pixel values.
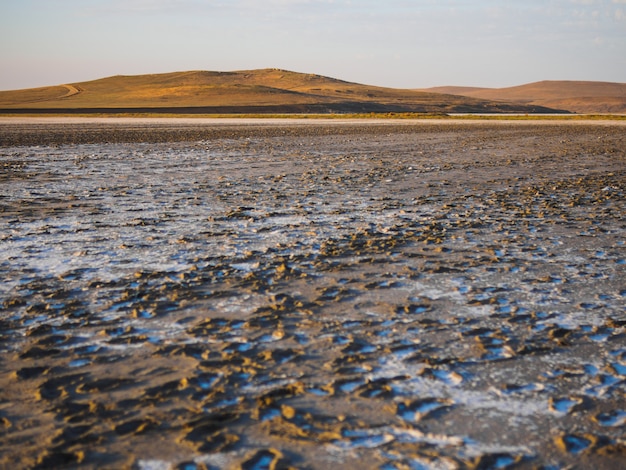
(423, 298)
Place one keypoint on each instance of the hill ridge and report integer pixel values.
(577, 96)
(264, 90)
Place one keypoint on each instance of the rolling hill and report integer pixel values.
(252, 91)
(574, 96)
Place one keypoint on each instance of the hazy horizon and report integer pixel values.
(401, 43)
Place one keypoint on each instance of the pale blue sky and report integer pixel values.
(397, 43)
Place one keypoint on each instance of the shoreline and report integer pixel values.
(25, 131)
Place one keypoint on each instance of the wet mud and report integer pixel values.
(433, 296)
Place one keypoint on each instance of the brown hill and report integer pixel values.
(574, 96)
(266, 90)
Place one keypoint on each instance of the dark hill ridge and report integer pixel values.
(248, 91)
(575, 96)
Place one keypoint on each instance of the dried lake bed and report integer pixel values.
(312, 294)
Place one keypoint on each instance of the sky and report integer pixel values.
(394, 43)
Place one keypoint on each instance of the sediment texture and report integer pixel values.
(320, 296)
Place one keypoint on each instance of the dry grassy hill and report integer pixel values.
(574, 96)
(266, 90)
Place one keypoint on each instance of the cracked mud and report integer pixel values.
(387, 296)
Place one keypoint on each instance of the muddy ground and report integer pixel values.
(423, 295)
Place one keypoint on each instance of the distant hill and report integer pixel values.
(252, 91)
(574, 96)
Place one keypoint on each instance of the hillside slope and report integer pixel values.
(574, 96)
(265, 90)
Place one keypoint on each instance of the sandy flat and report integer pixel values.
(541, 119)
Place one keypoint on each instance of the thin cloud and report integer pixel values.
(152, 6)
